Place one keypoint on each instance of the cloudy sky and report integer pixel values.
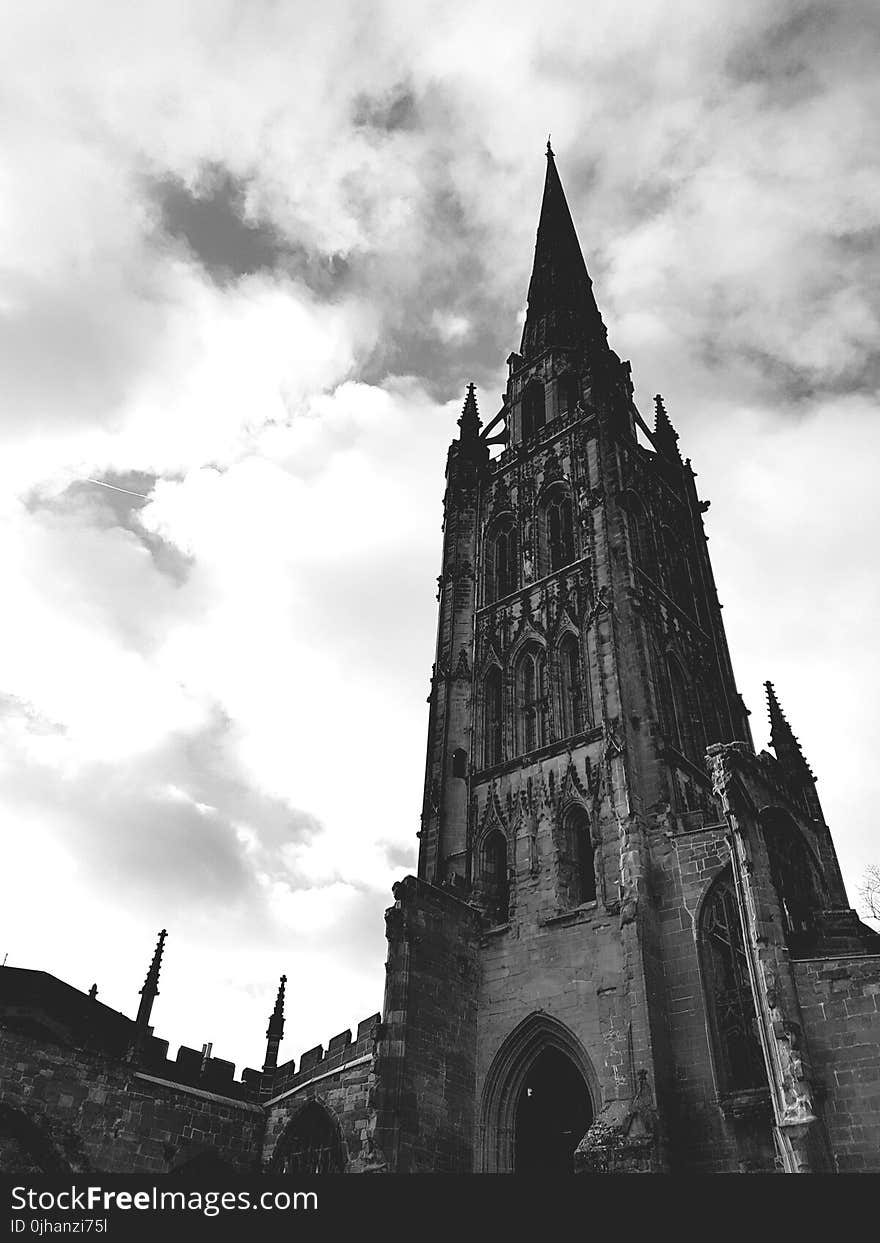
(251, 253)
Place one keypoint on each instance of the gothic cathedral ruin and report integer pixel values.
(628, 947)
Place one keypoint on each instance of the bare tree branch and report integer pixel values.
(869, 891)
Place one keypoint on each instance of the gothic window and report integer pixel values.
(641, 546)
(492, 717)
(493, 875)
(533, 412)
(712, 731)
(556, 525)
(531, 700)
(459, 763)
(678, 577)
(687, 732)
(577, 867)
(502, 576)
(795, 875)
(567, 392)
(739, 1061)
(310, 1145)
(570, 686)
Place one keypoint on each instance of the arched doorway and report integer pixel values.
(539, 1098)
(552, 1115)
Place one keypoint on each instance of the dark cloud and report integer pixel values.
(804, 46)
(394, 109)
(163, 828)
(214, 221)
(113, 501)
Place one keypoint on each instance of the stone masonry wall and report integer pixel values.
(81, 1112)
(425, 1063)
(341, 1080)
(703, 1138)
(840, 1006)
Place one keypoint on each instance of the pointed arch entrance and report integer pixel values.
(540, 1097)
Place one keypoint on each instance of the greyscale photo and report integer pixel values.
(438, 656)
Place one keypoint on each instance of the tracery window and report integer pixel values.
(502, 568)
(493, 875)
(567, 391)
(570, 686)
(531, 700)
(732, 1019)
(678, 575)
(533, 409)
(686, 727)
(794, 873)
(492, 717)
(641, 542)
(556, 530)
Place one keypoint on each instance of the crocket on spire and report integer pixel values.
(561, 308)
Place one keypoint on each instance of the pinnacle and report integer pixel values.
(665, 435)
(276, 1019)
(150, 990)
(469, 422)
(153, 971)
(782, 739)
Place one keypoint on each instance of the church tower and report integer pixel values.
(595, 968)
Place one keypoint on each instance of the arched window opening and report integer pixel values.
(531, 700)
(553, 1112)
(641, 541)
(678, 575)
(560, 530)
(794, 873)
(567, 392)
(686, 729)
(732, 1017)
(310, 1145)
(711, 731)
(533, 409)
(502, 568)
(492, 717)
(495, 884)
(577, 870)
(459, 763)
(573, 706)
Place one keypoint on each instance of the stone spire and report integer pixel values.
(470, 422)
(275, 1030)
(789, 754)
(665, 435)
(561, 308)
(150, 990)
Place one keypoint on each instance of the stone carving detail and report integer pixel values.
(552, 469)
(462, 671)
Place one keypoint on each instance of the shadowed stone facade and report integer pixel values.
(628, 947)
